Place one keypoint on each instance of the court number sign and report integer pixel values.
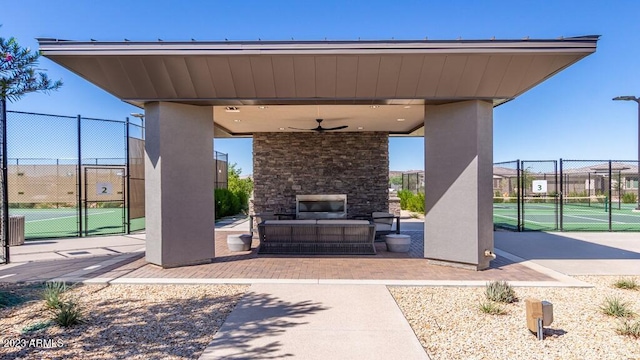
(104, 188)
(539, 186)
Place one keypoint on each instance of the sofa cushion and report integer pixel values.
(344, 222)
(290, 222)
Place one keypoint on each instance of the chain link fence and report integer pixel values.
(506, 187)
(600, 195)
(71, 176)
(413, 181)
(221, 170)
(569, 195)
(4, 205)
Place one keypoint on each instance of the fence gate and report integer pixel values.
(539, 201)
(104, 200)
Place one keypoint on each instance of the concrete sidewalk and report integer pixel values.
(315, 322)
(575, 253)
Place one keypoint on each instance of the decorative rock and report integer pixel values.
(239, 242)
(398, 242)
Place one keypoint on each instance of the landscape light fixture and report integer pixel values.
(637, 100)
(141, 117)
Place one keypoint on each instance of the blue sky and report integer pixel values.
(569, 116)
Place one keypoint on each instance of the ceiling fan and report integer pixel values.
(319, 128)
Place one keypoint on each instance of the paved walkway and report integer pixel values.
(315, 322)
(580, 253)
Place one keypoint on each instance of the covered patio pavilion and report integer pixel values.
(194, 91)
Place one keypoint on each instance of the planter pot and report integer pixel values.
(239, 242)
(398, 243)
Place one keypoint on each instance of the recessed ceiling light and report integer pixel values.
(374, 106)
(236, 120)
(281, 128)
(231, 109)
(262, 107)
(407, 107)
(400, 119)
(360, 127)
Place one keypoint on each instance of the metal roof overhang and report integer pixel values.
(307, 79)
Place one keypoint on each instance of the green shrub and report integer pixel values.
(491, 308)
(624, 283)
(243, 200)
(227, 203)
(497, 197)
(629, 198)
(616, 307)
(5, 299)
(500, 291)
(404, 196)
(67, 314)
(416, 203)
(629, 329)
(51, 294)
(242, 188)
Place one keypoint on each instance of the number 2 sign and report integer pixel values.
(104, 188)
(539, 186)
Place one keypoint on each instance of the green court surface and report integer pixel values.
(592, 216)
(54, 223)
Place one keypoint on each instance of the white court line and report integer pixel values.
(6, 276)
(91, 267)
(586, 218)
(512, 218)
(68, 217)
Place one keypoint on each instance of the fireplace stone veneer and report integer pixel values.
(298, 163)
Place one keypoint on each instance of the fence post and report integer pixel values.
(79, 203)
(609, 200)
(127, 192)
(519, 194)
(555, 171)
(5, 182)
(561, 195)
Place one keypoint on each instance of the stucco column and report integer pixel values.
(458, 189)
(179, 183)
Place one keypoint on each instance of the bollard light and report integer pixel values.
(539, 314)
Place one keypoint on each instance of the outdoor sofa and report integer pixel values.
(347, 237)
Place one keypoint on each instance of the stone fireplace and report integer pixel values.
(352, 163)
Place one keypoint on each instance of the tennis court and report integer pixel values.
(63, 222)
(574, 214)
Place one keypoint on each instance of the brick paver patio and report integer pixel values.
(383, 266)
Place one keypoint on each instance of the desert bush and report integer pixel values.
(491, 308)
(616, 307)
(68, 313)
(404, 196)
(52, 294)
(626, 283)
(629, 198)
(629, 328)
(226, 203)
(500, 291)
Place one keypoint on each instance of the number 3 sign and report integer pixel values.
(539, 186)
(104, 188)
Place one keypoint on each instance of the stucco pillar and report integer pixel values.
(179, 184)
(458, 189)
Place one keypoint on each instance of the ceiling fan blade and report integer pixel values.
(301, 129)
(337, 127)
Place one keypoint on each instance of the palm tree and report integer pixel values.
(18, 77)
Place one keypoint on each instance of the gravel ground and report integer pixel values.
(449, 325)
(122, 322)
